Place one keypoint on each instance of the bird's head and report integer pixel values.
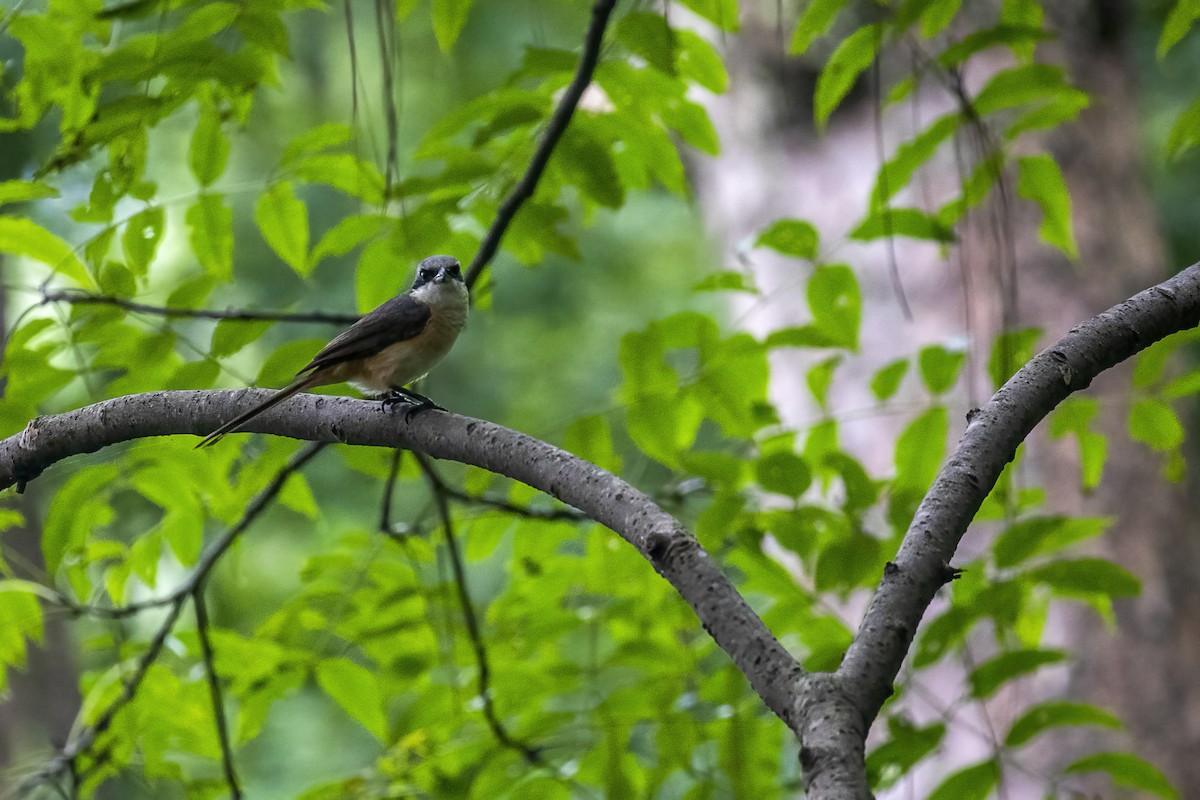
(437, 269)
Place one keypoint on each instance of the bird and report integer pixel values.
(388, 348)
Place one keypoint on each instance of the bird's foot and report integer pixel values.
(416, 402)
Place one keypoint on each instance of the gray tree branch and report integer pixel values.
(602, 496)
(830, 712)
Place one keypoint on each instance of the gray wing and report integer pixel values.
(398, 319)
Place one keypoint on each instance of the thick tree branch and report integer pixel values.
(555, 128)
(989, 443)
(604, 497)
(831, 713)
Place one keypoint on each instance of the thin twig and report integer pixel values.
(214, 689)
(502, 735)
(385, 25)
(237, 314)
(66, 758)
(353, 48)
(555, 128)
(385, 513)
(528, 512)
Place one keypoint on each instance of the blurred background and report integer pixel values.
(541, 349)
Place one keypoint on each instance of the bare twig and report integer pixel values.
(528, 512)
(440, 493)
(76, 297)
(555, 128)
(214, 689)
(389, 486)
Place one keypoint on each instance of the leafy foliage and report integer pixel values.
(557, 664)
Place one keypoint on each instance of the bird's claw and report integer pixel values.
(416, 404)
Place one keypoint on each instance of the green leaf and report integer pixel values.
(209, 151)
(726, 281)
(1185, 133)
(850, 562)
(23, 237)
(792, 237)
(1012, 350)
(1057, 714)
(994, 673)
(1183, 386)
(884, 223)
(941, 634)
(140, 239)
(1024, 13)
(783, 473)
(591, 438)
(920, 448)
(1057, 110)
(680, 370)
(283, 221)
(1074, 416)
(919, 452)
(836, 304)
(975, 189)
(281, 366)
(20, 191)
(20, 619)
(1149, 365)
(886, 380)
(861, 491)
(1126, 769)
(722, 13)
(906, 745)
(650, 37)
(937, 15)
(940, 367)
(345, 172)
(314, 140)
(1020, 85)
(10, 518)
(1181, 19)
(77, 509)
(1042, 535)
(449, 17)
(818, 18)
(699, 62)
(231, 335)
(896, 173)
(297, 495)
(970, 783)
(1042, 182)
(855, 53)
(1015, 36)
(1156, 424)
(346, 235)
(1087, 577)
(820, 377)
(356, 690)
(587, 163)
(116, 279)
(211, 222)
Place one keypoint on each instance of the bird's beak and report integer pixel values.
(441, 275)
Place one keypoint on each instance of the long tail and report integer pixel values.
(295, 387)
